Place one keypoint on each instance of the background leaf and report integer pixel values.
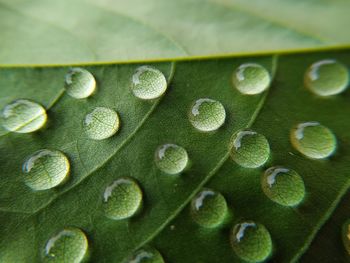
(30, 218)
(77, 31)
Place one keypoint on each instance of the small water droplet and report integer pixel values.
(101, 123)
(23, 116)
(249, 149)
(207, 114)
(208, 208)
(313, 140)
(171, 158)
(79, 83)
(251, 78)
(346, 236)
(148, 83)
(327, 77)
(251, 241)
(45, 169)
(122, 199)
(283, 186)
(145, 255)
(69, 245)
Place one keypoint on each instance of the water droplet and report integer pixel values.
(79, 83)
(208, 208)
(45, 169)
(101, 123)
(69, 245)
(346, 235)
(251, 78)
(23, 116)
(148, 83)
(207, 114)
(122, 199)
(249, 149)
(283, 186)
(145, 255)
(313, 140)
(327, 77)
(171, 158)
(251, 241)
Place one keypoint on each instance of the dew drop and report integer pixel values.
(69, 245)
(251, 241)
(148, 83)
(145, 255)
(79, 83)
(327, 77)
(101, 123)
(346, 236)
(171, 158)
(249, 149)
(208, 208)
(283, 186)
(251, 78)
(23, 116)
(45, 169)
(313, 140)
(207, 114)
(122, 199)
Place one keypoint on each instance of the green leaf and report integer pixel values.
(328, 246)
(30, 218)
(56, 32)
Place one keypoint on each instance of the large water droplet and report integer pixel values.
(122, 199)
(145, 255)
(313, 140)
(283, 186)
(80, 83)
(207, 114)
(171, 158)
(23, 116)
(327, 77)
(148, 83)
(101, 123)
(346, 236)
(69, 245)
(208, 208)
(251, 78)
(249, 149)
(45, 169)
(251, 241)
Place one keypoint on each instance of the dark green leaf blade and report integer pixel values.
(79, 202)
(326, 181)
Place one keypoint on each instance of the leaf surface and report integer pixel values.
(30, 218)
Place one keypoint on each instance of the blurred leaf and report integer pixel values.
(77, 31)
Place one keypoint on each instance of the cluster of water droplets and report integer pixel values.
(251, 241)
(123, 198)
